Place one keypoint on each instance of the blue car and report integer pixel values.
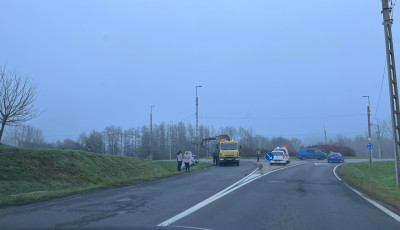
(310, 153)
(335, 157)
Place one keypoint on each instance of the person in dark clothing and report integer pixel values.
(258, 155)
(179, 158)
(215, 157)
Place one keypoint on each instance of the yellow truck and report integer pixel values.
(228, 150)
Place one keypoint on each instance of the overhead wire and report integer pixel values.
(380, 92)
(282, 118)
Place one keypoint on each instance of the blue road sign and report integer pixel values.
(269, 156)
(370, 146)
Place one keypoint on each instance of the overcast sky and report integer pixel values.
(282, 68)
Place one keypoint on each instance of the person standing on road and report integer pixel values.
(215, 157)
(186, 160)
(258, 155)
(179, 159)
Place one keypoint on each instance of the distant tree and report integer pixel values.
(95, 140)
(69, 144)
(24, 136)
(17, 99)
(114, 139)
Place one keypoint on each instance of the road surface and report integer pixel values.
(302, 195)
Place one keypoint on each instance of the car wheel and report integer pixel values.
(303, 158)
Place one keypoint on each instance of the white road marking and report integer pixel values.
(376, 204)
(334, 172)
(245, 180)
(318, 164)
(192, 227)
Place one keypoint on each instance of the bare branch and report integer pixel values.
(17, 99)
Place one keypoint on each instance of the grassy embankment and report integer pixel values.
(377, 181)
(28, 175)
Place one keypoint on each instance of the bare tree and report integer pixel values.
(17, 99)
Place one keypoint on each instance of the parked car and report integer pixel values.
(285, 151)
(279, 158)
(311, 153)
(335, 157)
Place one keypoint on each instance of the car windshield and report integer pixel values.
(277, 153)
(101, 99)
(228, 146)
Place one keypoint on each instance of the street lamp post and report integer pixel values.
(197, 123)
(151, 131)
(170, 141)
(369, 129)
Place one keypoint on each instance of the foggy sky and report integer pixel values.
(282, 68)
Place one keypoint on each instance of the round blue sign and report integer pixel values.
(370, 146)
(269, 156)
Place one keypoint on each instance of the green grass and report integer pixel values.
(28, 175)
(346, 157)
(377, 181)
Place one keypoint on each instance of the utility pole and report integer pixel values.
(197, 124)
(394, 97)
(170, 141)
(369, 130)
(326, 142)
(151, 131)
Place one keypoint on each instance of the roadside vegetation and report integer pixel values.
(29, 175)
(377, 181)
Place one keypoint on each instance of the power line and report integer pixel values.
(380, 92)
(188, 117)
(392, 6)
(283, 118)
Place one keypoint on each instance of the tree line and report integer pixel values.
(169, 138)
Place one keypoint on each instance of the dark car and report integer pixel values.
(335, 157)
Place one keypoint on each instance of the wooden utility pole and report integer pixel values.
(394, 97)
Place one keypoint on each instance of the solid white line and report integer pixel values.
(334, 172)
(376, 204)
(385, 210)
(205, 202)
(245, 180)
(192, 227)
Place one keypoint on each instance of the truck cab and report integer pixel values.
(228, 153)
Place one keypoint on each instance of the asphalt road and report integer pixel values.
(306, 196)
